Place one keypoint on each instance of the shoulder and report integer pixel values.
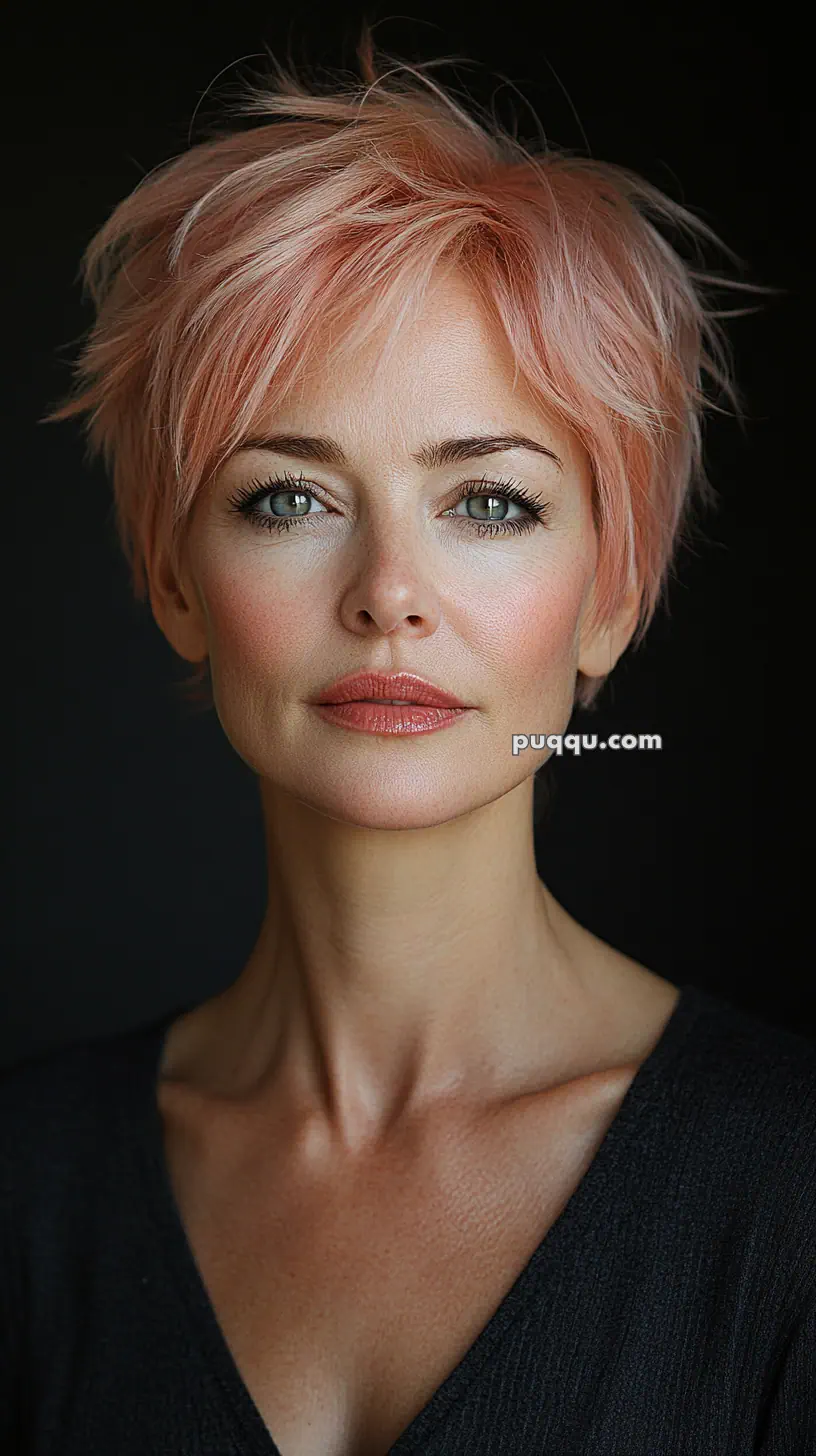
(61, 1109)
(45, 1087)
(50, 1104)
(762, 1075)
(743, 1106)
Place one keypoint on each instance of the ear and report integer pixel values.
(176, 606)
(601, 646)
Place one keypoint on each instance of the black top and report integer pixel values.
(669, 1311)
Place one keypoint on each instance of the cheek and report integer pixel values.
(530, 632)
(258, 627)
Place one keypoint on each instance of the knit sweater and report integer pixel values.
(669, 1311)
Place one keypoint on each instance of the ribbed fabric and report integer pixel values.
(670, 1310)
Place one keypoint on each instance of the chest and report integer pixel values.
(345, 1306)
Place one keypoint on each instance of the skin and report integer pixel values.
(410, 957)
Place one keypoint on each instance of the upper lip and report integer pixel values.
(405, 685)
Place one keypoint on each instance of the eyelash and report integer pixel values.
(538, 511)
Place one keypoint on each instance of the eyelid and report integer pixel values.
(286, 480)
(279, 484)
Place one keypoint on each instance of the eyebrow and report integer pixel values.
(430, 457)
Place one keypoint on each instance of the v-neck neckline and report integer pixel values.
(251, 1429)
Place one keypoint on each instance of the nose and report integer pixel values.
(391, 593)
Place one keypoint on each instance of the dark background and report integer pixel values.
(137, 868)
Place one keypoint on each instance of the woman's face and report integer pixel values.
(390, 572)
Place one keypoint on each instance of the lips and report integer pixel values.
(379, 687)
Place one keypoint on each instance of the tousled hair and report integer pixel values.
(232, 266)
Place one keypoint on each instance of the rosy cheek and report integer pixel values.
(556, 619)
(250, 625)
(530, 629)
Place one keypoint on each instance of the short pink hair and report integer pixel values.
(232, 266)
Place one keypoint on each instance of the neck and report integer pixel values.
(398, 969)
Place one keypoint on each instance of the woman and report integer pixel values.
(404, 431)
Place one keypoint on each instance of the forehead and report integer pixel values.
(450, 332)
(448, 371)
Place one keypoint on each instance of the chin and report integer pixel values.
(399, 803)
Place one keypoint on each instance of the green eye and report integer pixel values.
(292, 494)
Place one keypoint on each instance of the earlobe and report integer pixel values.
(598, 653)
(602, 645)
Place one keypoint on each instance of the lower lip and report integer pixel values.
(390, 718)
